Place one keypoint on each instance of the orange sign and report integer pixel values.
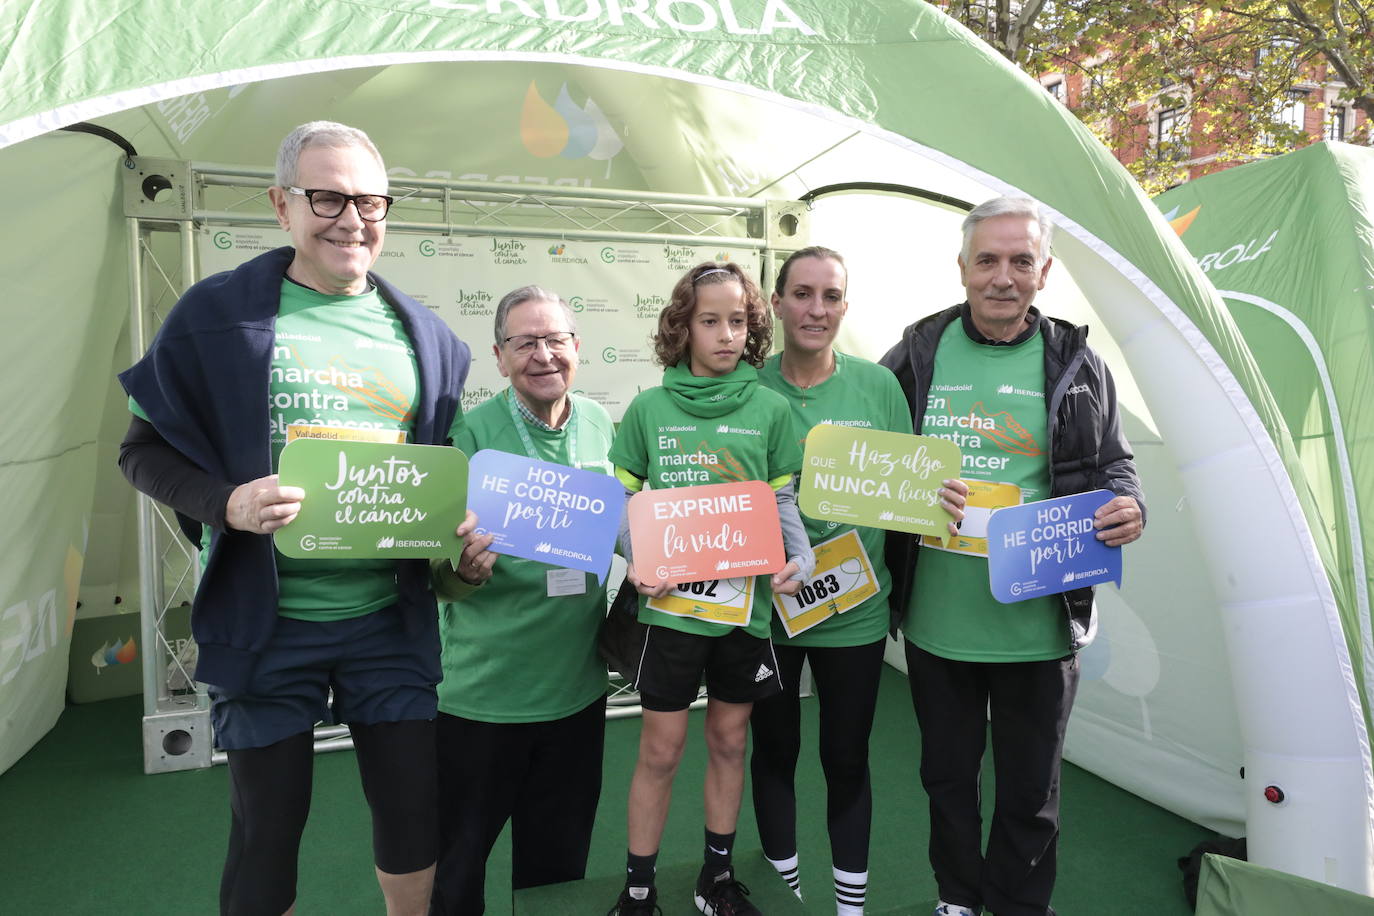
(716, 531)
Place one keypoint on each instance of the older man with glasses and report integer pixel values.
(522, 707)
(247, 360)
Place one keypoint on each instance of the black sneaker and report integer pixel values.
(627, 905)
(723, 895)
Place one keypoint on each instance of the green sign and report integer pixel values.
(877, 479)
(370, 500)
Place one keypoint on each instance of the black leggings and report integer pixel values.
(846, 682)
(269, 801)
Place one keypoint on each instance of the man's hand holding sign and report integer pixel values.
(1054, 545)
(1119, 521)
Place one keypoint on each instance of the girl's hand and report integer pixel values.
(651, 591)
(783, 583)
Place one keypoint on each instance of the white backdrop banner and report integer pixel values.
(616, 290)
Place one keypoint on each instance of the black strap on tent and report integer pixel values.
(880, 187)
(86, 127)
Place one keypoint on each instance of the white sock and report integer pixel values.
(953, 909)
(851, 887)
(789, 871)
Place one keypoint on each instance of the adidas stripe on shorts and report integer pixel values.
(738, 668)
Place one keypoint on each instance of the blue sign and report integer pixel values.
(1047, 547)
(544, 511)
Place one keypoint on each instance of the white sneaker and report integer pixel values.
(952, 909)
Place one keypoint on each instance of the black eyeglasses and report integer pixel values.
(330, 204)
(526, 344)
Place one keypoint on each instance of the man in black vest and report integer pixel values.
(1034, 413)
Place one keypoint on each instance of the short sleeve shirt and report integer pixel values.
(511, 653)
(859, 394)
(990, 401)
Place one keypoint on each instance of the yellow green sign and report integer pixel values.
(877, 479)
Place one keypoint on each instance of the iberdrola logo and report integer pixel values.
(116, 653)
(1181, 223)
(566, 129)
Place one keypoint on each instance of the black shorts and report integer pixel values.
(739, 668)
(376, 670)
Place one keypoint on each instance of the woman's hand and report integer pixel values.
(953, 497)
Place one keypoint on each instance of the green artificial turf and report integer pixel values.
(84, 831)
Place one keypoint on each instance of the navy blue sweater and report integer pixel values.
(204, 385)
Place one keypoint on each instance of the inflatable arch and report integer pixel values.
(1300, 290)
(1226, 648)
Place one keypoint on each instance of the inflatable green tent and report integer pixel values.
(1289, 244)
(1225, 647)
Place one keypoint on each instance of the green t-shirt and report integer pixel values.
(860, 394)
(995, 395)
(511, 653)
(662, 443)
(336, 361)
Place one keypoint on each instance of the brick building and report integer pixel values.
(1164, 128)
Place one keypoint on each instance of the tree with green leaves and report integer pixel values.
(1183, 87)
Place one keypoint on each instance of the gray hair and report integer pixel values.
(529, 294)
(319, 133)
(1008, 206)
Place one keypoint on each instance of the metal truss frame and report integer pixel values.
(170, 199)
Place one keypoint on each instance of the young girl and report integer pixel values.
(709, 422)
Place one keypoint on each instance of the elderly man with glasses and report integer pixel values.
(522, 707)
(247, 360)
